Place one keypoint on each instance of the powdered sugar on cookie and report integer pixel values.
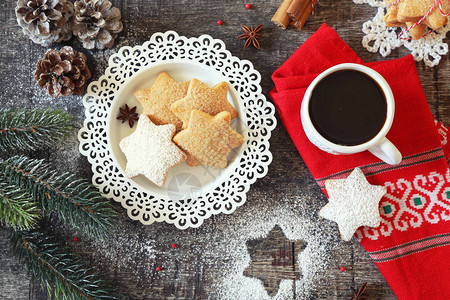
(203, 98)
(150, 151)
(208, 140)
(157, 100)
(353, 202)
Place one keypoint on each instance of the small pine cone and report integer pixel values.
(63, 72)
(45, 21)
(97, 23)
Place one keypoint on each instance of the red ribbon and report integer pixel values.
(312, 7)
(423, 18)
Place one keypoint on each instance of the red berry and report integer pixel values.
(174, 245)
(248, 6)
(158, 269)
(75, 239)
(342, 269)
(219, 22)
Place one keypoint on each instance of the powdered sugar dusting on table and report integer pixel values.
(298, 222)
(123, 251)
(220, 242)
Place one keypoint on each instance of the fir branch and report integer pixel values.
(75, 201)
(57, 269)
(28, 129)
(17, 207)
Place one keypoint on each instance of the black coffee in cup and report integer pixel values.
(348, 108)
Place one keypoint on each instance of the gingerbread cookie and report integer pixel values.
(201, 97)
(150, 151)
(157, 100)
(208, 140)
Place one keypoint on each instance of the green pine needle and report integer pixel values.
(75, 201)
(17, 207)
(63, 275)
(28, 129)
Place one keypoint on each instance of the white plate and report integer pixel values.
(203, 177)
(189, 195)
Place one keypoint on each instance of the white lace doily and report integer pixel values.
(383, 39)
(190, 195)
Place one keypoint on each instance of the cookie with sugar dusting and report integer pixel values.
(204, 98)
(414, 10)
(390, 18)
(417, 31)
(208, 139)
(353, 202)
(150, 151)
(157, 100)
(410, 12)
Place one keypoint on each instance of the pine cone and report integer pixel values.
(97, 23)
(63, 72)
(45, 21)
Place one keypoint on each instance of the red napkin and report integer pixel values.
(412, 245)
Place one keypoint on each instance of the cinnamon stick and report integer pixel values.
(303, 16)
(296, 8)
(281, 18)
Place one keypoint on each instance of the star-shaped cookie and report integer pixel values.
(353, 202)
(201, 97)
(157, 100)
(208, 140)
(150, 151)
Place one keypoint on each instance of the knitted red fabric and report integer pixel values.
(412, 245)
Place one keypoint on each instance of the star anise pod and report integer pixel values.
(127, 114)
(251, 36)
(358, 294)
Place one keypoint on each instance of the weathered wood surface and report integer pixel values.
(191, 270)
(276, 264)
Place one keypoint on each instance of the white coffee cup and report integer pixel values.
(379, 145)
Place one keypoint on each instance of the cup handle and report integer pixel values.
(387, 152)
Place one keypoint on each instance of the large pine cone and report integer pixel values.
(97, 23)
(45, 21)
(63, 72)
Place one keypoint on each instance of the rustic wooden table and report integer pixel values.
(204, 257)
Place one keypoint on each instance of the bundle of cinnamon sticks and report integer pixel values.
(294, 13)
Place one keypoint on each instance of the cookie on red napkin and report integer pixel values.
(414, 235)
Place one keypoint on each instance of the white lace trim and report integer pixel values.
(228, 190)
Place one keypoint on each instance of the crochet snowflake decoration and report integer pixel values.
(383, 39)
